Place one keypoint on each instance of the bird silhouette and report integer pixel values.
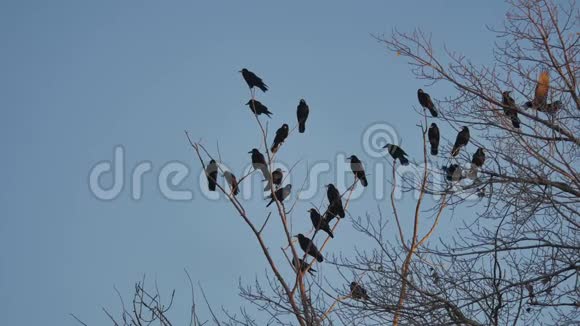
(281, 135)
(280, 194)
(232, 181)
(461, 141)
(319, 222)
(358, 169)
(302, 114)
(357, 292)
(253, 81)
(259, 162)
(309, 247)
(211, 172)
(510, 108)
(433, 135)
(334, 203)
(426, 103)
(303, 266)
(397, 153)
(258, 108)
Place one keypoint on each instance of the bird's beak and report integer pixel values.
(250, 152)
(386, 146)
(239, 71)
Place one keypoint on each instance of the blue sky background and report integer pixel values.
(78, 78)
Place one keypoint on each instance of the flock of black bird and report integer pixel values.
(321, 222)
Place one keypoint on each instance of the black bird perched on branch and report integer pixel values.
(302, 115)
(309, 247)
(259, 162)
(211, 172)
(461, 140)
(253, 81)
(303, 266)
(258, 108)
(454, 172)
(277, 177)
(477, 161)
(281, 135)
(397, 153)
(232, 181)
(280, 194)
(335, 203)
(541, 92)
(358, 170)
(433, 135)
(510, 108)
(319, 222)
(357, 292)
(425, 101)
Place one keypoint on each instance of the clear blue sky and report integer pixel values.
(79, 77)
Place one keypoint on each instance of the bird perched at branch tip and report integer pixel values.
(397, 153)
(253, 81)
(334, 203)
(232, 181)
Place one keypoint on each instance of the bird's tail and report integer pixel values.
(455, 150)
(433, 112)
(319, 257)
(270, 203)
(268, 113)
(274, 148)
(263, 87)
(301, 127)
(404, 160)
(329, 231)
(516, 122)
(363, 181)
(434, 150)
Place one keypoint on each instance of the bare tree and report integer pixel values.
(515, 261)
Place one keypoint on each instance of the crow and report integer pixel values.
(433, 135)
(303, 266)
(280, 194)
(211, 171)
(277, 177)
(319, 222)
(358, 170)
(281, 135)
(397, 153)
(461, 140)
(258, 108)
(232, 181)
(510, 108)
(477, 161)
(541, 92)
(302, 115)
(357, 292)
(453, 172)
(259, 163)
(309, 247)
(253, 80)
(426, 103)
(335, 203)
